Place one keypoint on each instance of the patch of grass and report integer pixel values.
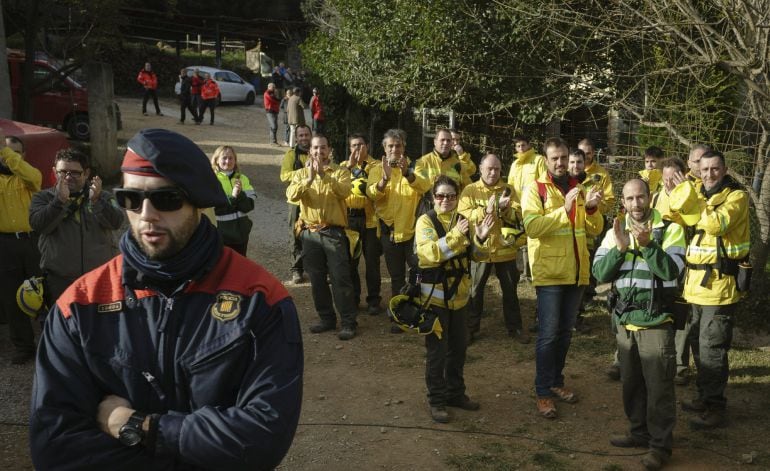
(548, 461)
(481, 461)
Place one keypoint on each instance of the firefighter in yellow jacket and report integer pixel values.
(294, 160)
(718, 208)
(442, 160)
(558, 217)
(396, 191)
(491, 195)
(320, 189)
(363, 220)
(445, 241)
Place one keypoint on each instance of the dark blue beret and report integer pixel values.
(177, 158)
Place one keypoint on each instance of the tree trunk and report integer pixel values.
(761, 245)
(5, 84)
(104, 135)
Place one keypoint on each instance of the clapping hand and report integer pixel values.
(462, 225)
(622, 239)
(569, 199)
(484, 226)
(237, 186)
(594, 197)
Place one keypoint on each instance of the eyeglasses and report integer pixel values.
(163, 199)
(445, 196)
(69, 173)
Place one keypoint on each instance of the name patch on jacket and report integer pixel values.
(111, 307)
(227, 306)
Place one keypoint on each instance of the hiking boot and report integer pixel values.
(373, 310)
(521, 336)
(297, 278)
(712, 418)
(654, 460)
(565, 395)
(546, 407)
(628, 441)
(613, 372)
(322, 327)
(439, 414)
(463, 402)
(682, 378)
(696, 405)
(346, 333)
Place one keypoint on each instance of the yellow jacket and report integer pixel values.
(358, 198)
(431, 165)
(287, 165)
(473, 205)
(553, 235)
(469, 166)
(653, 178)
(661, 201)
(16, 191)
(323, 200)
(724, 214)
(605, 183)
(432, 251)
(397, 203)
(525, 169)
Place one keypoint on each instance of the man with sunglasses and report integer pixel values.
(75, 220)
(19, 258)
(178, 353)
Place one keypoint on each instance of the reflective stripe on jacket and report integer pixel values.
(473, 205)
(725, 215)
(556, 241)
(634, 272)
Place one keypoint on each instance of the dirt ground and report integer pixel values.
(364, 400)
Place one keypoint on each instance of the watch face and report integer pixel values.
(129, 436)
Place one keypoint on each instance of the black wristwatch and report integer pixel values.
(131, 432)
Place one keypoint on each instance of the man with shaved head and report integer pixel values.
(643, 256)
(491, 195)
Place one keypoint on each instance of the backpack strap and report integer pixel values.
(542, 191)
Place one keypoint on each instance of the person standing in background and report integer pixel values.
(149, 81)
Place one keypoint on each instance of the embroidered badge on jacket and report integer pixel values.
(227, 306)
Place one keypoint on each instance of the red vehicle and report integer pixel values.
(40, 146)
(59, 97)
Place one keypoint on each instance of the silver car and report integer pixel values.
(231, 86)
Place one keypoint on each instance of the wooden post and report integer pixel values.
(102, 116)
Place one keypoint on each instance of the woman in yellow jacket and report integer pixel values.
(233, 223)
(445, 285)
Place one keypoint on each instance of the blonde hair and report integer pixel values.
(219, 153)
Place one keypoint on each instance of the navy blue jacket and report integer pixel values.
(220, 360)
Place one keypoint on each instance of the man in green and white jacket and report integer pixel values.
(643, 257)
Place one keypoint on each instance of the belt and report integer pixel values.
(16, 235)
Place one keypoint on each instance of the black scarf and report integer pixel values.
(562, 182)
(196, 258)
(727, 182)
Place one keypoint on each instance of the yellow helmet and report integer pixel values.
(359, 186)
(29, 296)
(411, 317)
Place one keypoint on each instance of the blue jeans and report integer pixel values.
(557, 308)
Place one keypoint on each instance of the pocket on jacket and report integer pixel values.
(549, 263)
(215, 376)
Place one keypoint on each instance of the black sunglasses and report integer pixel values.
(162, 199)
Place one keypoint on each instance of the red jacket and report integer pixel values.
(209, 90)
(148, 79)
(195, 86)
(316, 108)
(271, 102)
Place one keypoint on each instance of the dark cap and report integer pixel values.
(164, 153)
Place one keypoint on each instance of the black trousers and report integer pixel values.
(185, 104)
(210, 104)
(397, 256)
(147, 94)
(19, 260)
(445, 358)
